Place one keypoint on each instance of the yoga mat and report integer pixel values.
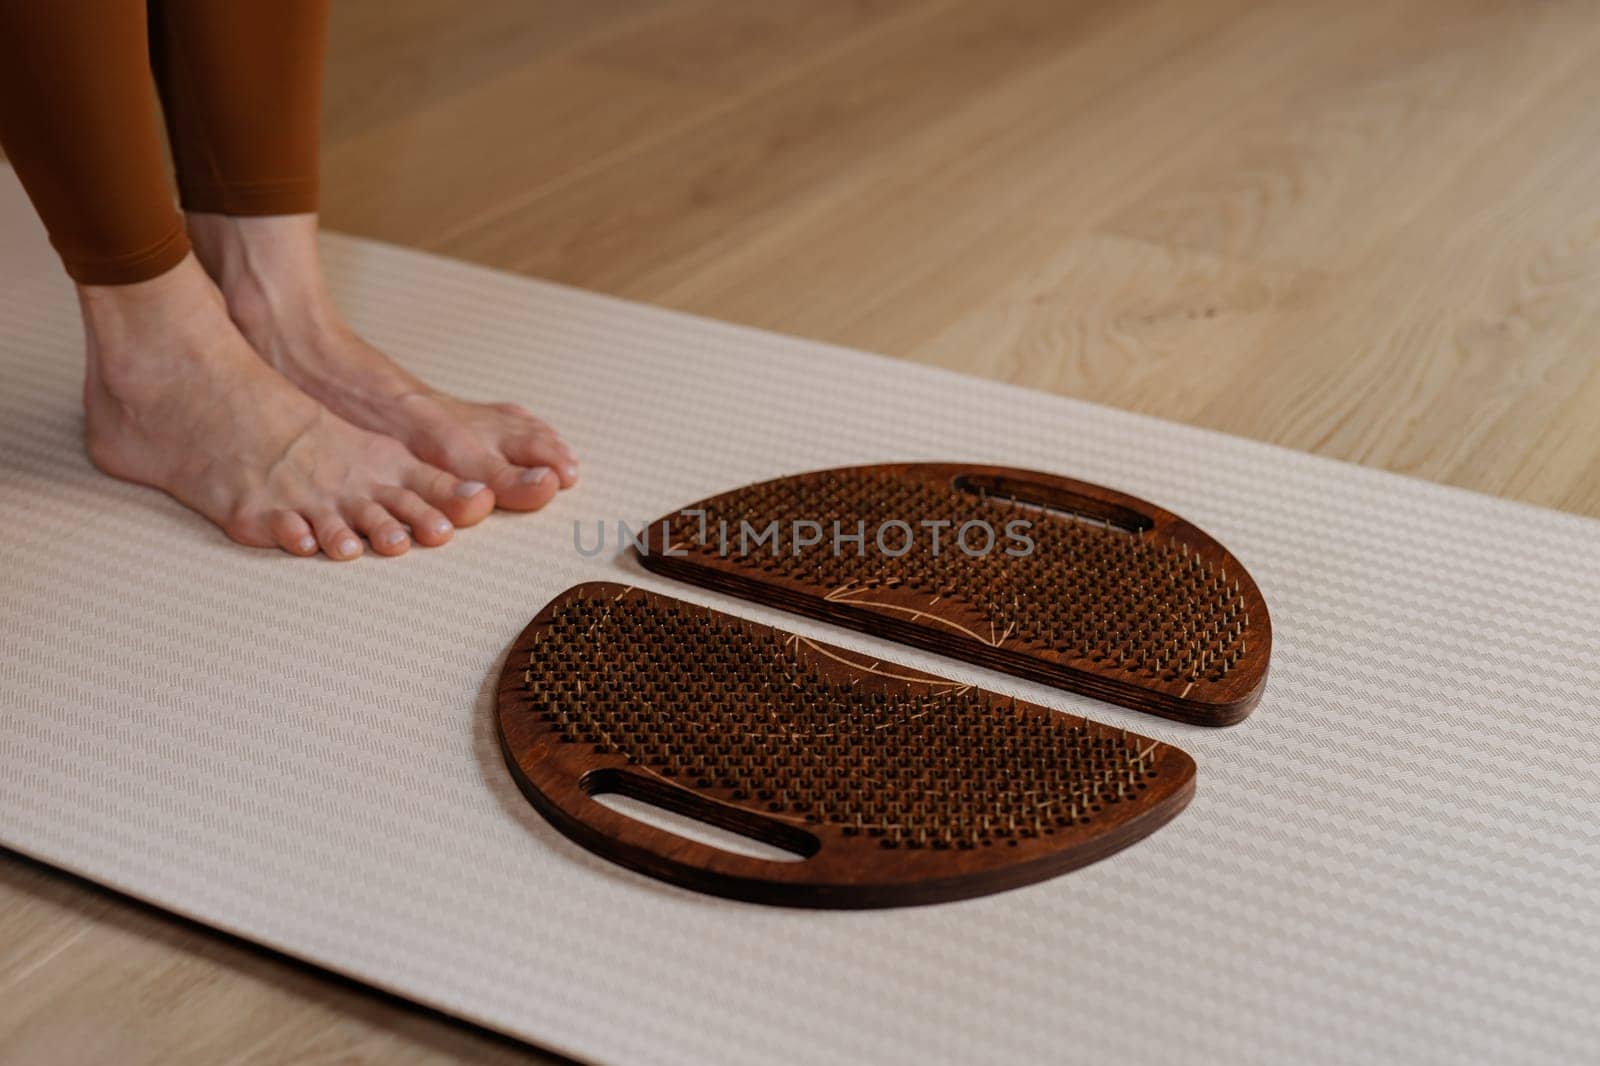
(1394, 859)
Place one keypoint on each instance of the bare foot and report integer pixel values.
(270, 273)
(176, 398)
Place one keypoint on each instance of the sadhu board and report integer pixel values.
(887, 786)
(1095, 591)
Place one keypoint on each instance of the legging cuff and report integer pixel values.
(134, 267)
(292, 196)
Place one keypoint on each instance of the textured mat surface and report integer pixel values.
(1395, 859)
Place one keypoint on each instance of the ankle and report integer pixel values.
(139, 337)
(268, 269)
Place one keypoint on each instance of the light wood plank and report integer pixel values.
(87, 977)
(387, 59)
(549, 119)
(606, 228)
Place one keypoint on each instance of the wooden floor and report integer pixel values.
(1364, 228)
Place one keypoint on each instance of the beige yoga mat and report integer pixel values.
(1395, 859)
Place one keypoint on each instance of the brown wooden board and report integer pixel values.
(897, 787)
(1110, 596)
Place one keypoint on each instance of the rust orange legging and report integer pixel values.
(240, 82)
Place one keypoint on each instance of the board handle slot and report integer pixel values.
(663, 797)
(1054, 499)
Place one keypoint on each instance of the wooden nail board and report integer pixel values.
(1110, 596)
(892, 786)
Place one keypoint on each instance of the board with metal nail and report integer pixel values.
(1059, 581)
(881, 784)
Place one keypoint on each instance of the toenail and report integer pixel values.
(534, 476)
(394, 536)
(469, 488)
(348, 546)
(570, 471)
(308, 544)
(442, 526)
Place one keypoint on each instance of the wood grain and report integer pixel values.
(1362, 228)
(88, 976)
(1109, 595)
(891, 787)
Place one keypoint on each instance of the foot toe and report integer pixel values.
(544, 449)
(293, 533)
(383, 532)
(465, 502)
(524, 488)
(429, 525)
(338, 540)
